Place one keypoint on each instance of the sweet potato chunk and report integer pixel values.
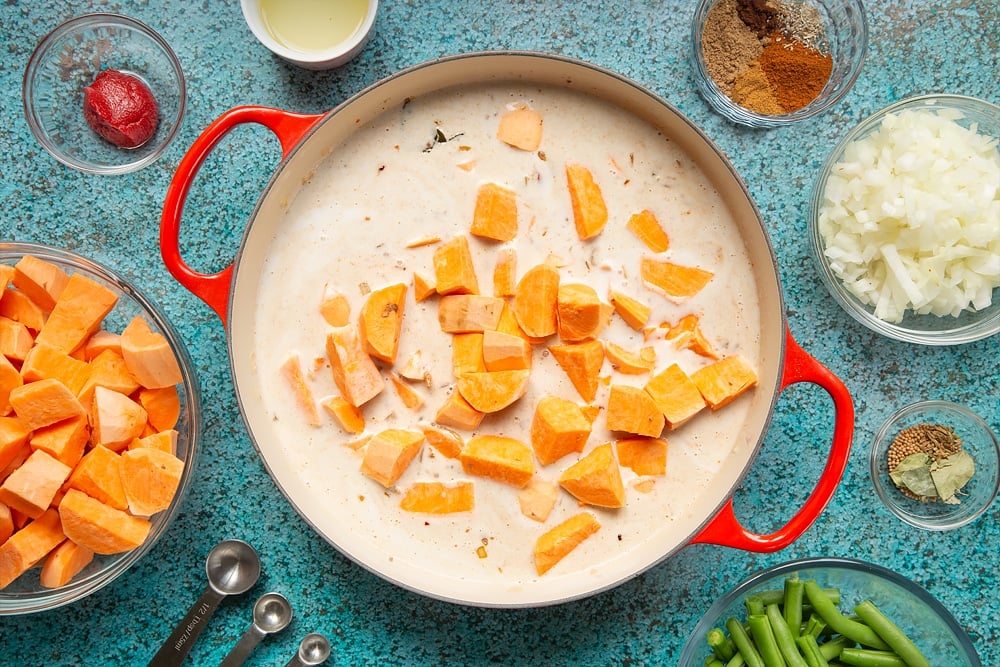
(687, 334)
(454, 272)
(675, 395)
(423, 288)
(10, 379)
(99, 475)
(504, 272)
(63, 440)
(595, 479)
(538, 499)
(643, 456)
(291, 371)
(98, 527)
(499, 458)
(100, 341)
(28, 546)
(15, 339)
(580, 313)
(630, 363)
(82, 306)
(582, 364)
(410, 397)
(150, 478)
(439, 498)
(648, 230)
(335, 309)
(19, 307)
(162, 406)
(674, 281)
(632, 410)
(45, 402)
(349, 417)
(42, 281)
(447, 442)
(634, 312)
(31, 488)
(590, 213)
(388, 454)
(45, 361)
(492, 391)
(148, 355)
(558, 542)
(521, 127)
(464, 313)
(558, 428)
(535, 301)
(108, 370)
(467, 353)
(457, 413)
(721, 382)
(63, 563)
(14, 435)
(495, 214)
(381, 322)
(165, 441)
(354, 373)
(116, 419)
(505, 352)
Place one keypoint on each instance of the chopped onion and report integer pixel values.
(910, 216)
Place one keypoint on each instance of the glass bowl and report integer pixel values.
(68, 59)
(925, 620)
(846, 28)
(925, 329)
(977, 439)
(26, 594)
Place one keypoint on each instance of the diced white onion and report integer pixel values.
(910, 217)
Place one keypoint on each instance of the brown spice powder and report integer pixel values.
(728, 45)
(797, 72)
(753, 91)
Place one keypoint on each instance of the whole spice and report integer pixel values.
(927, 462)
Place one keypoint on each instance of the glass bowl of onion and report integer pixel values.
(905, 220)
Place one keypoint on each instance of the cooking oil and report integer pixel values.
(312, 25)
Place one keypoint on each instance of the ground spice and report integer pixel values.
(761, 16)
(728, 45)
(753, 91)
(796, 71)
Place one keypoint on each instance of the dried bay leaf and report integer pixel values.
(951, 473)
(913, 474)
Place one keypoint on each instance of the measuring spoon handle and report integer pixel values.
(244, 647)
(179, 643)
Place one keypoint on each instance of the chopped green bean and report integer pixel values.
(712, 661)
(743, 643)
(783, 637)
(891, 634)
(736, 661)
(826, 610)
(792, 604)
(831, 649)
(815, 626)
(754, 604)
(721, 645)
(778, 595)
(810, 651)
(763, 637)
(863, 657)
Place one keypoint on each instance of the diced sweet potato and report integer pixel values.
(389, 453)
(148, 355)
(505, 272)
(454, 272)
(423, 288)
(467, 354)
(508, 325)
(721, 382)
(381, 322)
(45, 402)
(99, 527)
(632, 410)
(580, 313)
(499, 458)
(14, 435)
(582, 364)
(291, 371)
(162, 406)
(31, 488)
(439, 498)
(447, 442)
(6, 523)
(687, 334)
(63, 440)
(108, 370)
(521, 128)
(10, 379)
(492, 391)
(674, 281)
(630, 363)
(102, 341)
(648, 230)
(77, 314)
(557, 429)
(464, 313)
(416, 370)
(675, 395)
(538, 499)
(15, 339)
(63, 563)
(495, 214)
(505, 352)
(165, 441)
(150, 478)
(410, 397)
(42, 281)
(18, 306)
(115, 419)
(590, 213)
(643, 456)
(595, 479)
(535, 301)
(457, 413)
(354, 373)
(45, 361)
(347, 416)
(28, 546)
(557, 543)
(335, 309)
(99, 475)
(6, 277)
(632, 311)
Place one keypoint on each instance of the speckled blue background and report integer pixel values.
(916, 47)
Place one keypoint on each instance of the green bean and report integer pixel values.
(754, 604)
(863, 657)
(810, 650)
(778, 595)
(712, 661)
(743, 643)
(783, 637)
(736, 661)
(792, 604)
(815, 626)
(721, 645)
(891, 634)
(826, 610)
(763, 637)
(831, 649)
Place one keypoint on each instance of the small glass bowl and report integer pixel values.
(846, 36)
(26, 594)
(68, 59)
(927, 329)
(977, 439)
(925, 620)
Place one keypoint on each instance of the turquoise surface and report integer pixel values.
(916, 47)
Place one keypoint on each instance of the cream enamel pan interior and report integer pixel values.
(362, 182)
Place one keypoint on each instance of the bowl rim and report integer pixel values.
(41, 50)
(43, 599)
(968, 333)
(693, 643)
(882, 489)
(729, 109)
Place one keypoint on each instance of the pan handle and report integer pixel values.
(213, 288)
(725, 529)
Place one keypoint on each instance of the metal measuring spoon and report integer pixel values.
(233, 567)
(314, 649)
(271, 613)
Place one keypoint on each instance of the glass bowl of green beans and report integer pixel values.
(836, 605)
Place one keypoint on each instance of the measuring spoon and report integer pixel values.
(314, 649)
(271, 613)
(233, 567)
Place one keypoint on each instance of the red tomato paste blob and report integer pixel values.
(121, 108)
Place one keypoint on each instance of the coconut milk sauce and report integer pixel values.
(389, 184)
